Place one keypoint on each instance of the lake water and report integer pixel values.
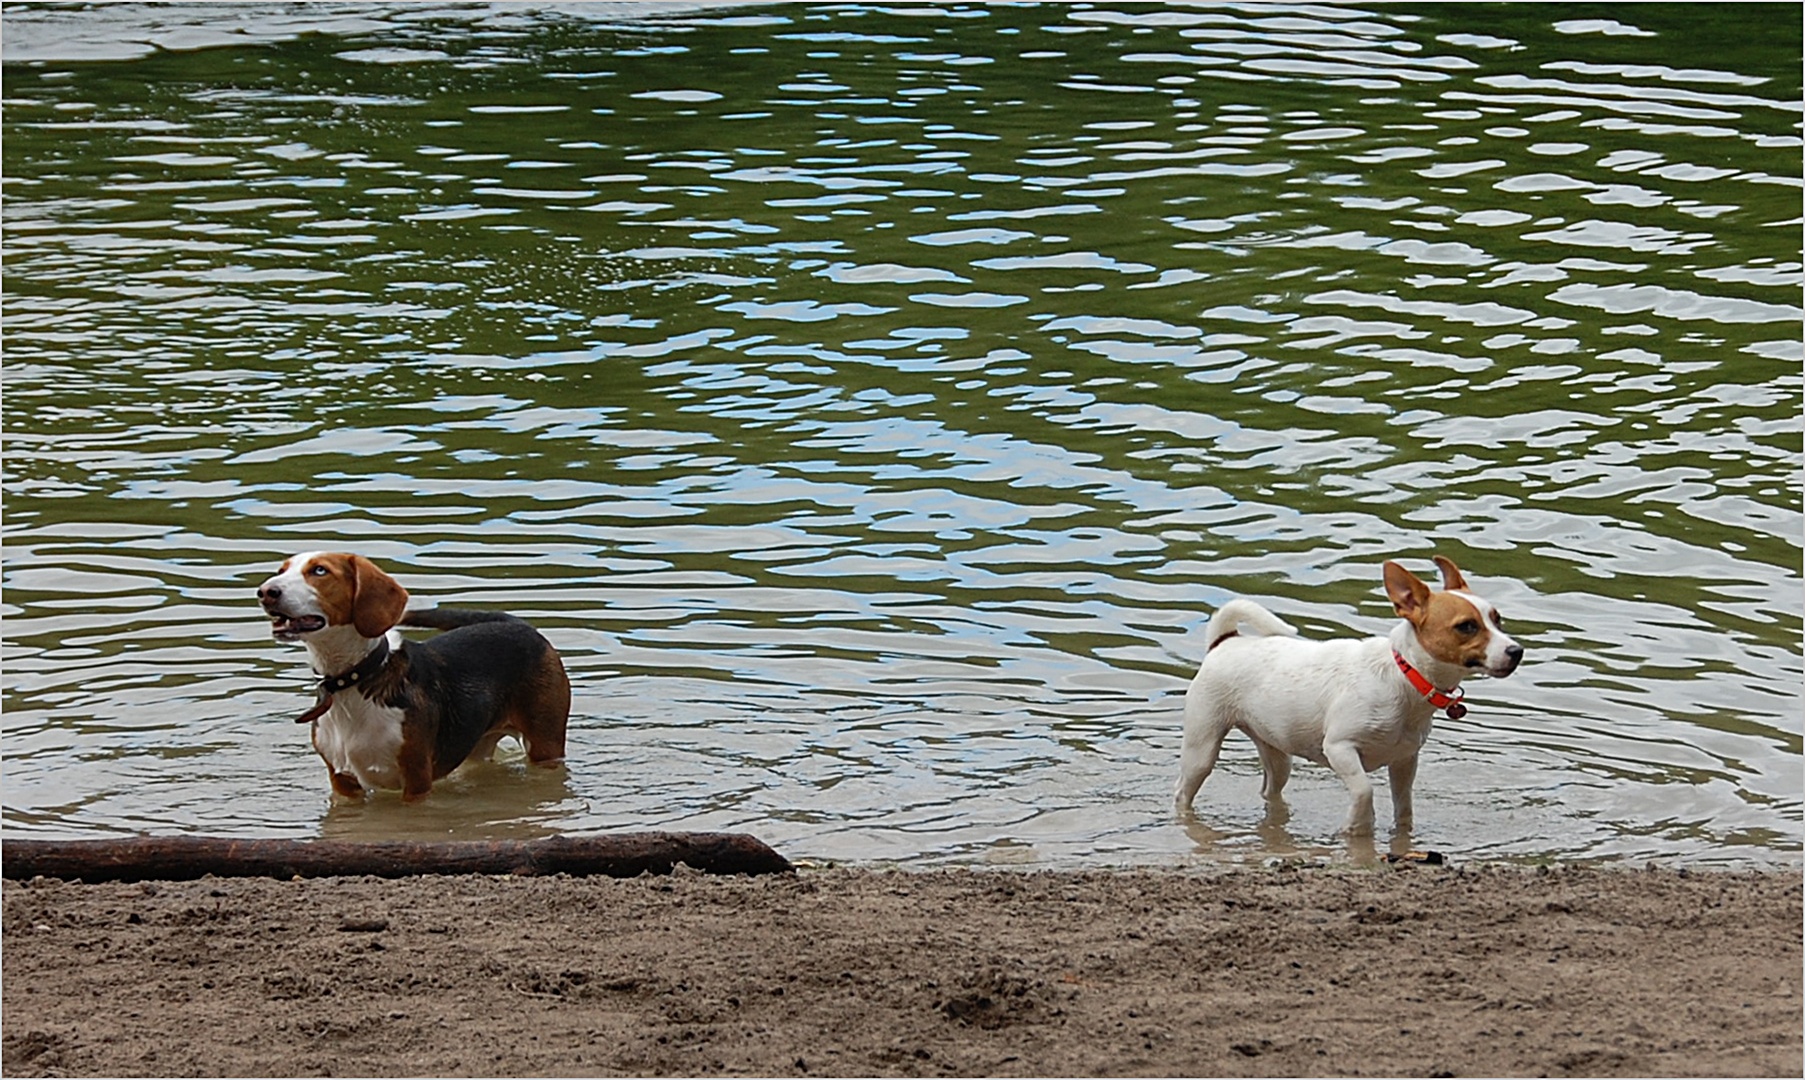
(872, 403)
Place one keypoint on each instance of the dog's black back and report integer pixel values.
(484, 671)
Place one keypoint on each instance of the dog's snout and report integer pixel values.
(1513, 655)
(268, 594)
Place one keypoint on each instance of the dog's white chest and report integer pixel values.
(362, 739)
(1389, 736)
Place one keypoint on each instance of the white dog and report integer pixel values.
(1353, 704)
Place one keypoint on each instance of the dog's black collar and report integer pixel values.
(365, 670)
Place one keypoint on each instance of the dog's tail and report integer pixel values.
(1235, 615)
(450, 618)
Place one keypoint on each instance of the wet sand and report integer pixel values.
(1284, 971)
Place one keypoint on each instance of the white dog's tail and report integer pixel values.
(1231, 617)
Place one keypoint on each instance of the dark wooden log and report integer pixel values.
(184, 858)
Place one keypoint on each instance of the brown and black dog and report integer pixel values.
(402, 714)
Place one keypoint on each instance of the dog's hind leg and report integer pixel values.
(1205, 728)
(1194, 767)
(1276, 765)
(542, 711)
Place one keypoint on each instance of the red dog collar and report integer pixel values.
(1438, 698)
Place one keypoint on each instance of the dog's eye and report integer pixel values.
(1467, 627)
(318, 570)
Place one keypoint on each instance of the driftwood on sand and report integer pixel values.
(183, 858)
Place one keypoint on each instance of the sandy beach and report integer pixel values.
(1258, 972)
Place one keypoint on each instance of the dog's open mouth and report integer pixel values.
(1498, 672)
(291, 627)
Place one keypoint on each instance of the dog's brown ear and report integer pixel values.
(1409, 596)
(1451, 580)
(378, 600)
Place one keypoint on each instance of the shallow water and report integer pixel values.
(871, 404)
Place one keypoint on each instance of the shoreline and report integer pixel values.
(1288, 970)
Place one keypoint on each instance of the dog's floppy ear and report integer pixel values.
(1409, 596)
(1451, 581)
(377, 601)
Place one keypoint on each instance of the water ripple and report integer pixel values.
(872, 403)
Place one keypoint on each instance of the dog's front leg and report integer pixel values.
(414, 761)
(1402, 774)
(346, 785)
(1344, 758)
